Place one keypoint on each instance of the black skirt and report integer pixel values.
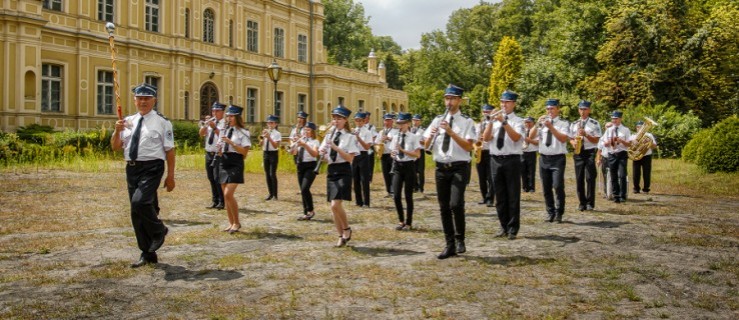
(339, 181)
(231, 168)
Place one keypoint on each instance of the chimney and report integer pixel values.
(372, 62)
(381, 68)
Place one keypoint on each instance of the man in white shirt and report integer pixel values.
(418, 130)
(643, 165)
(618, 140)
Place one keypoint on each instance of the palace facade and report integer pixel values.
(57, 68)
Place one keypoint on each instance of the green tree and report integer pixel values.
(506, 67)
(346, 33)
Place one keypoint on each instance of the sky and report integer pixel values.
(406, 20)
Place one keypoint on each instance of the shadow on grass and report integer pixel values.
(183, 223)
(174, 273)
(599, 224)
(252, 234)
(514, 261)
(253, 211)
(564, 240)
(384, 252)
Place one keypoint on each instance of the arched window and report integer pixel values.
(209, 18)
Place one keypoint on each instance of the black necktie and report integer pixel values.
(501, 136)
(133, 152)
(401, 155)
(230, 134)
(615, 135)
(212, 135)
(549, 136)
(336, 142)
(447, 137)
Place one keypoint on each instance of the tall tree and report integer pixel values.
(506, 67)
(346, 33)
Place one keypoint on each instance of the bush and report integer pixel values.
(186, 134)
(34, 133)
(719, 151)
(694, 146)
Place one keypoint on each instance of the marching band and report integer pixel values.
(505, 148)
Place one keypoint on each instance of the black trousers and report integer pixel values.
(642, 165)
(528, 171)
(270, 171)
(485, 177)
(387, 163)
(451, 182)
(405, 174)
(211, 168)
(143, 179)
(552, 172)
(617, 165)
(361, 178)
(371, 162)
(585, 177)
(306, 176)
(421, 172)
(604, 175)
(506, 174)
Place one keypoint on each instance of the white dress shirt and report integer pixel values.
(276, 136)
(307, 157)
(622, 132)
(592, 128)
(155, 138)
(510, 147)
(240, 137)
(367, 136)
(463, 126)
(347, 142)
(557, 147)
(412, 142)
(385, 132)
(213, 147)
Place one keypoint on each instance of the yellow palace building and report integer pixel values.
(56, 65)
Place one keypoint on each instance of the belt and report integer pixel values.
(210, 153)
(451, 165)
(551, 155)
(363, 153)
(133, 163)
(271, 151)
(506, 156)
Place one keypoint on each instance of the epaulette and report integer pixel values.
(161, 115)
(465, 116)
(244, 131)
(439, 116)
(593, 121)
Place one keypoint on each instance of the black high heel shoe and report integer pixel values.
(341, 243)
(349, 237)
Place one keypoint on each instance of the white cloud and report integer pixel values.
(406, 20)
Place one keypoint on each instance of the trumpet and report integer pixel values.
(265, 131)
(543, 119)
(206, 121)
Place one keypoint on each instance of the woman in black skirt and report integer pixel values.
(234, 146)
(305, 150)
(339, 149)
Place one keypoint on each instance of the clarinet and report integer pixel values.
(394, 153)
(317, 170)
(220, 145)
(430, 149)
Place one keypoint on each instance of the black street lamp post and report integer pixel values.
(275, 71)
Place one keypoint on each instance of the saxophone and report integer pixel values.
(579, 138)
(642, 143)
(477, 147)
(380, 147)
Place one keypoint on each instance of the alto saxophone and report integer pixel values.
(477, 147)
(579, 139)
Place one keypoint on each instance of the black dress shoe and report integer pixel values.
(636, 191)
(482, 202)
(511, 236)
(220, 206)
(501, 233)
(460, 246)
(490, 204)
(549, 218)
(158, 242)
(448, 252)
(144, 260)
(589, 208)
(558, 218)
(581, 208)
(212, 206)
(268, 198)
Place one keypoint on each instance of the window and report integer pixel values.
(302, 48)
(279, 42)
(360, 107)
(187, 105)
(301, 102)
(252, 36)
(152, 15)
(105, 92)
(53, 5)
(251, 104)
(231, 33)
(341, 101)
(187, 23)
(105, 10)
(278, 104)
(209, 26)
(51, 87)
(154, 81)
